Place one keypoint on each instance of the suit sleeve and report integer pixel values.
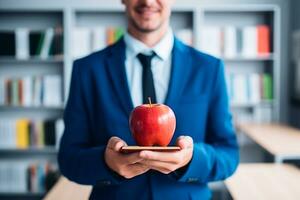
(217, 157)
(78, 160)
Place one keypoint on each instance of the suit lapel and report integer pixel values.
(117, 73)
(179, 73)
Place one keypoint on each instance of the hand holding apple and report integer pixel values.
(126, 165)
(167, 162)
(152, 124)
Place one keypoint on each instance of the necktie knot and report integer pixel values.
(145, 59)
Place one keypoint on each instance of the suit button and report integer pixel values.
(192, 180)
(106, 182)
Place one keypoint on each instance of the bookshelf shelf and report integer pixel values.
(252, 105)
(241, 58)
(12, 60)
(28, 108)
(42, 150)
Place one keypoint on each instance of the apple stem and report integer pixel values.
(149, 99)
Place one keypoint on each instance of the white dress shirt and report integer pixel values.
(160, 65)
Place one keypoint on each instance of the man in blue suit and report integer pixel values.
(107, 85)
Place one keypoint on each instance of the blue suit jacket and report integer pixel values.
(98, 108)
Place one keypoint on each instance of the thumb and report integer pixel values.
(185, 142)
(116, 143)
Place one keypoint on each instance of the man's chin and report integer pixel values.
(147, 29)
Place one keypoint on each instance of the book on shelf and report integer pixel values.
(81, 41)
(86, 40)
(57, 44)
(249, 42)
(211, 40)
(50, 84)
(98, 38)
(26, 133)
(2, 92)
(24, 43)
(22, 134)
(230, 48)
(185, 35)
(31, 91)
(110, 36)
(8, 43)
(44, 50)
(251, 88)
(267, 91)
(232, 42)
(24, 176)
(37, 93)
(263, 40)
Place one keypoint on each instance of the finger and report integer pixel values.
(131, 158)
(116, 143)
(160, 166)
(135, 170)
(180, 137)
(161, 170)
(171, 157)
(185, 142)
(139, 168)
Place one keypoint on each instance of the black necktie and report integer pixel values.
(148, 83)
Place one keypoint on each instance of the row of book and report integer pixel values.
(24, 43)
(259, 114)
(86, 40)
(22, 177)
(249, 88)
(26, 133)
(231, 42)
(31, 91)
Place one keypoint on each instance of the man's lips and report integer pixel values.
(145, 11)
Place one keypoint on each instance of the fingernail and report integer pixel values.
(143, 154)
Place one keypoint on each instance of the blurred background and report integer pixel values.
(259, 41)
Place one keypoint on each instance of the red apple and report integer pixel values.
(152, 124)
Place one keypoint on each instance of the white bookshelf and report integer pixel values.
(187, 14)
(238, 15)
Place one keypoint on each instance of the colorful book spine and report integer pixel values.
(267, 87)
(263, 35)
(22, 133)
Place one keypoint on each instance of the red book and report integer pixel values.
(263, 38)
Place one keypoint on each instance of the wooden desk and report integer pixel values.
(281, 141)
(67, 190)
(264, 182)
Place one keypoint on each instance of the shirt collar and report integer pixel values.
(162, 49)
